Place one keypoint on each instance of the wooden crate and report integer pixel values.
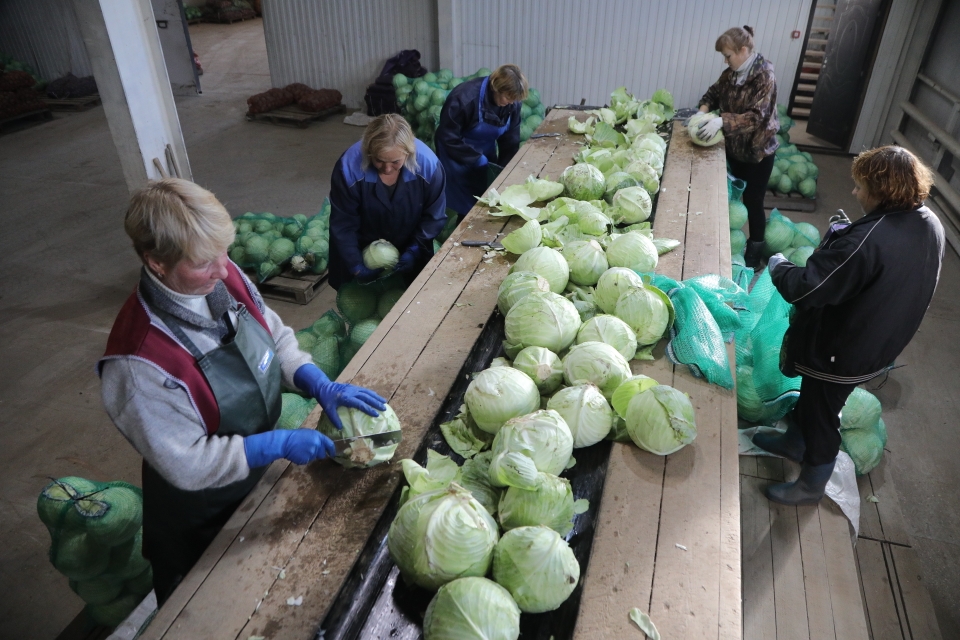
(291, 286)
(294, 116)
(73, 104)
(789, 202)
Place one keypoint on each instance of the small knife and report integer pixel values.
(372, 441)
(482, 243)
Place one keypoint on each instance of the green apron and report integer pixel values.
(244, 375)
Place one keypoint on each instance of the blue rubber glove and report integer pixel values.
(299, 446)
(776, 259)
(364, 275)
(482, 161)
(332, 395)
(408, 259)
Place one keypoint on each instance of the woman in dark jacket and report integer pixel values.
(479, 126)
(387, 186)
(857, 304)
(746, 95)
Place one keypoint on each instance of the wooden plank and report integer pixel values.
(670, 217)
(788, 586)
(748, 466)
(848, 614)
(921, 619)
(770, 468)
(759, 610)
(884, 619)
(731, 583)
(888, 508)
(816, 586)
(869, 515)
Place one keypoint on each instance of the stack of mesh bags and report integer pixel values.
(793, 171)
(312, 250)
(863, 435)
(420, 101)
(96, 540)
(796, 241)
(364, 306)
(266, 243)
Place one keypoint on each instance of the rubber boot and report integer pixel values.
(753, 256)
(807, 489)
(789, 445)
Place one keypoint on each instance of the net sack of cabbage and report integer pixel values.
(766, 338)
(265, 243)
(312, 253)
(696, 339)
(863, 435)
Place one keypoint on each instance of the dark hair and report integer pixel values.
(894, 176)
(735, 39)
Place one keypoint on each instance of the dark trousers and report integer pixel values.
(818, 414)
(756, 175)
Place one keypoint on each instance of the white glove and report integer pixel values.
(709, 128)
(775, 260)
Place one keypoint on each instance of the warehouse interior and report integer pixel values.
(69, 267)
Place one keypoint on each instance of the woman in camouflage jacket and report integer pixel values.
(746, 96)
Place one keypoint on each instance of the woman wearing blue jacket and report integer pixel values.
(479, 125)
(388, 186)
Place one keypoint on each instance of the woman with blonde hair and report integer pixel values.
(479, 129)
(191, 376)
(856, 305)
(746, 97)
(387, 186)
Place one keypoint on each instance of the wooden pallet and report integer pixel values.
(40, 115)
(291, 286)
(73, 104)
(294, 116)
(788, 202)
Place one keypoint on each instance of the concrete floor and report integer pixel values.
(68, 268)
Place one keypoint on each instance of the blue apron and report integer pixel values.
(466, 181)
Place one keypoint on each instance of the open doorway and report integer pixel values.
(228, 40)
(839, 50)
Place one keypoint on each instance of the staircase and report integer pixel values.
(820, 28)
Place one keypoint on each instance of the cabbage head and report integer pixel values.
(357, 423)
(442, 535)
(541, 320)
(587, 261)
(596, 363)
(523, 239)
(645, 175)
(612, 331)
(800, 256)
(631, 205)
(661, 420)
(615, 182)
(778, 234)
(545, 262)
(612, 284)
(809, 233)
(380, 254)
(738, 241)
(543, 366)
(472, 609)
(586, 412)
(738, 214)
(550, 504)
(537, 567)
(583, 182)
(634, 251)
(648, 311)
(693, 127)
(517, 286)
(526, 445)
(627, 389)
(498, 394)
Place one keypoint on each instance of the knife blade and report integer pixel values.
(482, 243)
(372, 441)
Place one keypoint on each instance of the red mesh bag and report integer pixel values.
(320, 100)
(269, 100)
(297, 90)
(13, 80)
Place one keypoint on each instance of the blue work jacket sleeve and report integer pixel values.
(345, 217)
(434, 215)
(459, 114)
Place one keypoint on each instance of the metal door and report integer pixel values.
(845, 70)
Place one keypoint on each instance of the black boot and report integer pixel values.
(753, 256)
(789, 445)
(807, 489)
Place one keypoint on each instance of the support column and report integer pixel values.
(448, 27)
(124, 47)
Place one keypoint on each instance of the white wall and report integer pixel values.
(173, 40)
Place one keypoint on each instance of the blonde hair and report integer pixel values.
(387, 132)
(894, 176)
(735, 39)
(173, 219)
(508, 80)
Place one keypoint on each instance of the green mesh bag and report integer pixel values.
(347, 350)
(361, 331)
(749, 405)
(725, 300)
(141, 584)
(77, 556)
(447, 228)
(330, 324)
(115, 612)
(356, 301)
(97, 590)
(326, 355)
(126, 559)
(312, 252)
(864, 446)
(767, 338)
(735, 188)
(696, 341)
(294, 410)
(779, 233)
(740, 272)
(63, 506)
(386, 301)
(306, 340)
(738, 215)
(123, 516)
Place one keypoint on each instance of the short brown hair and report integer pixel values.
(174, 219)
(508, 80)
(735, 39)
(386, 132)
(896, 178)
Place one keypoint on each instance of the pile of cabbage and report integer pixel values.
(420, 101)
(795, 240)
(266, 243)
(793, 171)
